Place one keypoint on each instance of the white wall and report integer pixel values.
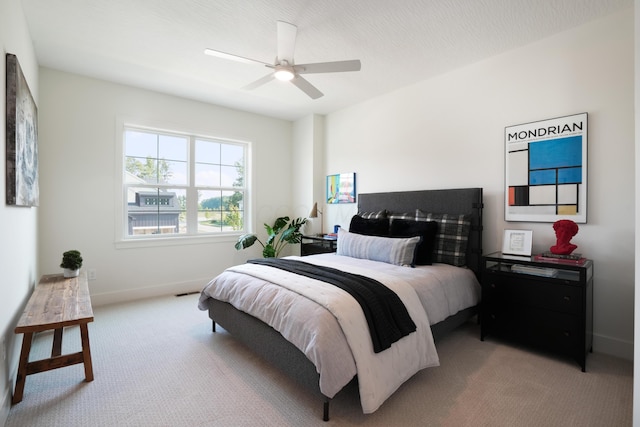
(308, 169)
(18, 225)
(447, 132)
(79, 186)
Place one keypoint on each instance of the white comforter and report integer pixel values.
(331, 329)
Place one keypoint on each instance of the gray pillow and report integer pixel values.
(397, 251)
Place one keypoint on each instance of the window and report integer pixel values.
(182, 185)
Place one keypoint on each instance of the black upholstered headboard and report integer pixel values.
(467, 201)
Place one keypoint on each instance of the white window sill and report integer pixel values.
(175, 241)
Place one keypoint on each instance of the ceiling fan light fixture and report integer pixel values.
(283, 67)
(284, 74)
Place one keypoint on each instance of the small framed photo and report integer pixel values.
(517, 242)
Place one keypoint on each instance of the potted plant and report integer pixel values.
(279, 235)
(71, 263)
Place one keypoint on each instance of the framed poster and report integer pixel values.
(517, 242)
(546, 170)
(22, 139)
(341, 188)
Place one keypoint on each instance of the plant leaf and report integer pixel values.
(245, 241)
(280, 224)
(269, 251)
(293, 234)
(271, 238)
(289, 235)
(270, 230)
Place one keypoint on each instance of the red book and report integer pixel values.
(567, 261)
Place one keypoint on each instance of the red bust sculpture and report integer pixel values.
(565, 230)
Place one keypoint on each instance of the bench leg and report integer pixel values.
(56, 350)
(86, 352)
(22, 367)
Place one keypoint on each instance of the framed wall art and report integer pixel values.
(546, 170)
(341, 188)
(21, 138)
(517, 242)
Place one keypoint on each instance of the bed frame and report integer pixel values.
(268, 343)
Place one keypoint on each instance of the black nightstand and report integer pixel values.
(549, 306)
(318, 245)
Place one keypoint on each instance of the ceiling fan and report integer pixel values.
(285, 68)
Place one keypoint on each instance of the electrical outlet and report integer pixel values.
(92, 274)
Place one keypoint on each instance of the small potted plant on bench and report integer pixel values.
(71, 263)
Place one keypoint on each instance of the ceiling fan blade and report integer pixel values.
(259, 82)
(328, 67)
(286, 41)
(306, 87)
(224, 55)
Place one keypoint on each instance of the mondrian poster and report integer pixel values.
(546, 170)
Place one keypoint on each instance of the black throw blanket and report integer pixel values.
(386, 315)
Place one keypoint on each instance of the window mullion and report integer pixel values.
(192, 210)
(192, 192)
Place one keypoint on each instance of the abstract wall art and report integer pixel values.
(341, 188)
(546, 170)
(21, 138)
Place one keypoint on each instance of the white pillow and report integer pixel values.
(398, 251)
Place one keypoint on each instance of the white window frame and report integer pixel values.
(123, 239)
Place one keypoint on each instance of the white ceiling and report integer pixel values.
(159, 44)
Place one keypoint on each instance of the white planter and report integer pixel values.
(70, 273)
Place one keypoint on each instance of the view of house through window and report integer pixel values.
(182, 184)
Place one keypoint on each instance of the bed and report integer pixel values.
(326, 354)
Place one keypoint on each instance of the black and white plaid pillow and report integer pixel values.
(452, 236)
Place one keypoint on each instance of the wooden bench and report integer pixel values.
(57, 302)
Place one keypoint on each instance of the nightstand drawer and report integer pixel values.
(309, 249)
(532, 292)
(311, 245)
(550, 329)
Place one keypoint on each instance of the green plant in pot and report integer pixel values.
(279, 235)
(71, 263)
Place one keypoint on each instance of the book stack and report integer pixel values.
(571, 259)
(537, 271)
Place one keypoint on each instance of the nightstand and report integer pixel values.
(318, 245)
(548, 305)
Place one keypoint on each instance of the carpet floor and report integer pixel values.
(157, 363)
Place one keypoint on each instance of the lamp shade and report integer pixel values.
(314, 211)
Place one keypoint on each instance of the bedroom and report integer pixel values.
(464, 111)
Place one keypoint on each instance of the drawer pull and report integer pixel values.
(567, 298)
(493, 286)
(567, 333)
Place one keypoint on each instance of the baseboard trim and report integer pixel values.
(6, 406)
(148, 292)
(613, 346)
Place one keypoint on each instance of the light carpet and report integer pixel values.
(157, 363)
